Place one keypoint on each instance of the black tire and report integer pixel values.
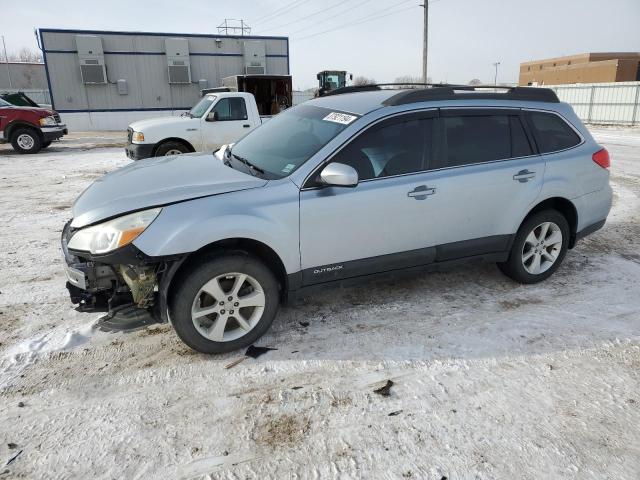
(188, 285)
(171, 148)
(46, 144)
(32, 138)
(514, 267)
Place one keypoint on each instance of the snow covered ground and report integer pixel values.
(491, 379)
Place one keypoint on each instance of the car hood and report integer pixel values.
(155, 182)
(142, 125)
(38, 110)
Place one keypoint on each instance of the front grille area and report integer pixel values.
(129, 135)
(57, 117)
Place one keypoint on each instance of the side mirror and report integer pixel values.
(339, 175)
(212, 117)
(351, 76)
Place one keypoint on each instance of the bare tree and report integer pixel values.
(406, 80)
(25, 54)
(360, 81)
(475, 81)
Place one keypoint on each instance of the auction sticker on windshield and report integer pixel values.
(338, 117)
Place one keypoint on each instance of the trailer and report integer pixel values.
(273, 93)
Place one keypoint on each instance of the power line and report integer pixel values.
(368, 18)
(332, 16)
(308, 16)
(277, 11)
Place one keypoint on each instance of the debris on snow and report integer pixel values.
(13, 458)
(255, 352)
(385, 390)
(252, 352)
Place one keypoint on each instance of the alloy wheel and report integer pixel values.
(228, 307)
(541, 248)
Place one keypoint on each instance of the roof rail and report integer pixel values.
(439, 91)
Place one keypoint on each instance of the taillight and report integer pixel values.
(601, 157)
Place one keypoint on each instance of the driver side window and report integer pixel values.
(230, 109)
(390, 149)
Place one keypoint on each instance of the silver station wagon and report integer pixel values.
(360, 184)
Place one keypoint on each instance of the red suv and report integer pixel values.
(29, 129)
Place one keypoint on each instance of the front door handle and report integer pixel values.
(246, 125)
(523, 176)
(421, 192)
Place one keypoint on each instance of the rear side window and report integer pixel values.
(480, 138)
(470, 139)
(520, 146)
(552, 133)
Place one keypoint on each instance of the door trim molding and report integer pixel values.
(495, 247)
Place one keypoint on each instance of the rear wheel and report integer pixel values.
(224, 304)
(171, 148)
(538, 249)
(26, 140)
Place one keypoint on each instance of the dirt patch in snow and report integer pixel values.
(281, 430)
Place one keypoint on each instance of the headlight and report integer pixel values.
(137, 137)
(113, 234)
(47, 122)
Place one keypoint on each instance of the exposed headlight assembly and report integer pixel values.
(116, 233)
(47, 122)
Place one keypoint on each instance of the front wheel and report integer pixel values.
(538, 248)
(171, 148)
(224, 304)
(26, 140)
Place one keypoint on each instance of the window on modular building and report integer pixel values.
(231, 109)
(552, 133)
(474, 139)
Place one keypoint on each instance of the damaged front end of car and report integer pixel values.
(128, 285)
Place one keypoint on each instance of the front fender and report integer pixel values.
(268, 215)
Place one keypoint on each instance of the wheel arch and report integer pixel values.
(243, 245)
(565, 207)
(8, 131)
(172, 139)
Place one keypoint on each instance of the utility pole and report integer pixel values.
(6, 61)
(495, 78)
(425, 40)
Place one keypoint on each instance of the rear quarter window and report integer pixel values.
(551, 132)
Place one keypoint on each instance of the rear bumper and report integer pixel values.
(139, 151)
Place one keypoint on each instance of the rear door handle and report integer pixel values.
(523, 176)
(421, 192)
(246, 125)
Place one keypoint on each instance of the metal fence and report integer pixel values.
(605, 103)
(301, 96)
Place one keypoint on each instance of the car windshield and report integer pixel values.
(202, 106)
(281, 145)
(4, 103)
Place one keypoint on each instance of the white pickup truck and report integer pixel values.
(217, 119)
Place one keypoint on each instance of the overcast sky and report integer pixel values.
(465, 36)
